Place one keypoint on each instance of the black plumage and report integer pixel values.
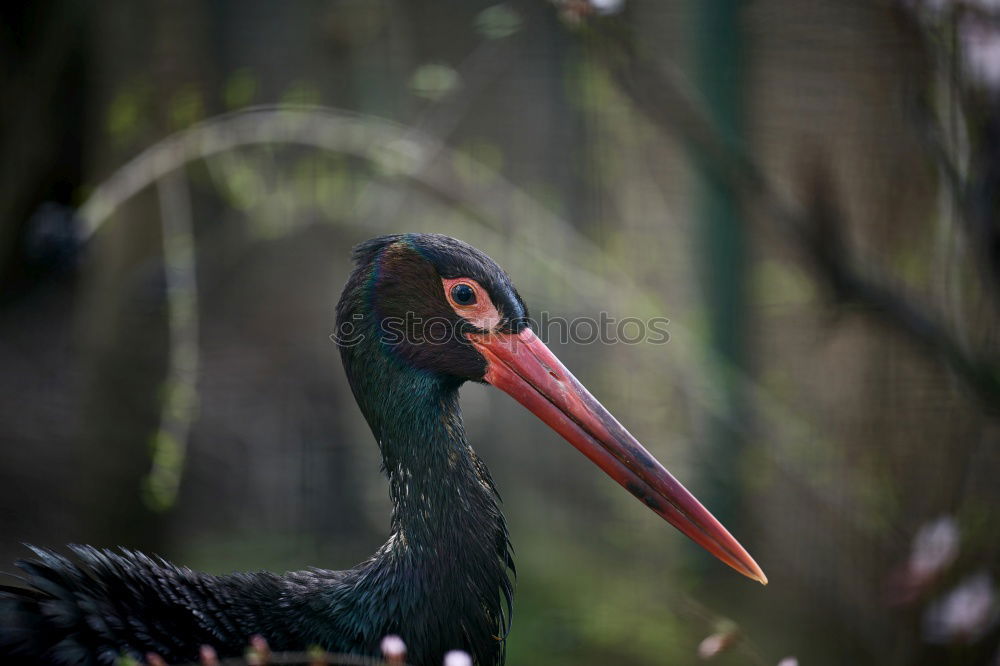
(441, 581)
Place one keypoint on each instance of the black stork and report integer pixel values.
(420, 315)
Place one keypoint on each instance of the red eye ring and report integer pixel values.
(479, 311)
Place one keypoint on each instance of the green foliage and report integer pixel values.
(127, 114)
(240, 89)
(578, 607)
(186, 107)
(498, 21)
(434, 80)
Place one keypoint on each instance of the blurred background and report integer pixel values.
(810, 192)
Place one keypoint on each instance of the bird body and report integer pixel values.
(442, 580)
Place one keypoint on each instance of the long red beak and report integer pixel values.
(524, 367)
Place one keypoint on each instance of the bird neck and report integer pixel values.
(449, 546)
(439, 488)
(436, 481)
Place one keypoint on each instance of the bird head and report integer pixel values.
(422, 296)
(442, 308)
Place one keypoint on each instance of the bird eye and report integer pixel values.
(463, 294)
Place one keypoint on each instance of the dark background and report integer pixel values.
(808, 191)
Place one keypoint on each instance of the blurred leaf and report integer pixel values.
(241, 88)
(434, 81)
(498, 21)
(186, 107)
(126, 113)
(242, 184)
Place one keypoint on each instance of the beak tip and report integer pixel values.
(757, 574)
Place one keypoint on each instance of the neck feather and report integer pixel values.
(445, 568)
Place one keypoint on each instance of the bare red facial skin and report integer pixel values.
(481, 313)
(521, 365)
